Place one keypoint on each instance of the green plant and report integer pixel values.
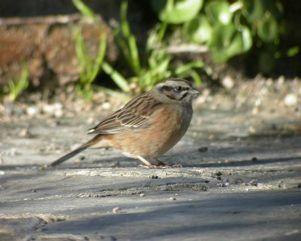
(90, 66)
(157, 62)
(227, 28)
(16, 87)
(147, 66)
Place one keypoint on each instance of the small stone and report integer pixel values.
(32, 110)
(225, 184)
(203, 149)
(116, 210)
(228, 82)
(106, 105)
(290, 100)
(90, 120)
(2, 172)
(258, 102)
(282, 185)
(172, 198)
(219, 174)
(255, 110)
(281, 80)
(252, 130)
(23, 132)
(154, 177)
(55, 109)
(253, 182)
(254, 159)
(142, 195)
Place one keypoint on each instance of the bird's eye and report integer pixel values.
(166, 88)
(178, 88)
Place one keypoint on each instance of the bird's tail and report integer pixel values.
(75, 152)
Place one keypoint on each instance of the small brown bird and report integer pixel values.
(147, 126)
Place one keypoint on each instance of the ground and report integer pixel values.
(240, 178)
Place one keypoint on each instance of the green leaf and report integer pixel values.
(268, 28)
(253, 10)
(84, 9)
(119, 80)
(228, 41)
(256, 9)
(125, 28)
(293, 51)
(133, 49)
(219, 11)
(177, 11)
(189, 66)
(17, 87)
(198, 30)
(100, 57)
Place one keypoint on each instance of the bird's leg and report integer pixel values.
(164, 165)
(160, 163)
(145, 162)
(148, 164)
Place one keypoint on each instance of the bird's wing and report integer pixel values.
(135, 114)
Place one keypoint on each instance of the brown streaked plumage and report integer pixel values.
(148, 125)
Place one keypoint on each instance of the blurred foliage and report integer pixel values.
(144, 67)
(227, 28)
(176, 12)
(16, 87)
(154, 64)
(89, 65)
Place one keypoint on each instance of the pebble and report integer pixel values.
(142, 195)
(106, 105)
(282, 185)
(290, 100)
(55, 109)
(203, 149)
(90, 120)
(228, 82)
(254, 159)
(116, 210)
(225, 184)
(25, 133)
(32, 110)
(252, 130)
(253, 182)
(172, 198)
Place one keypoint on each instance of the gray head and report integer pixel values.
(177, 90)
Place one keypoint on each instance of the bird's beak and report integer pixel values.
(195, 93)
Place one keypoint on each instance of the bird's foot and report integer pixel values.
(160, 165)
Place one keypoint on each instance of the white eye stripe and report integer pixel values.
(184, 94)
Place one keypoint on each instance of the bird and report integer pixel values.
(147, 126)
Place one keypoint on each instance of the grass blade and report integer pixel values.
(119, 80)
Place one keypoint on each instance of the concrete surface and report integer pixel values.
(240, 180)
